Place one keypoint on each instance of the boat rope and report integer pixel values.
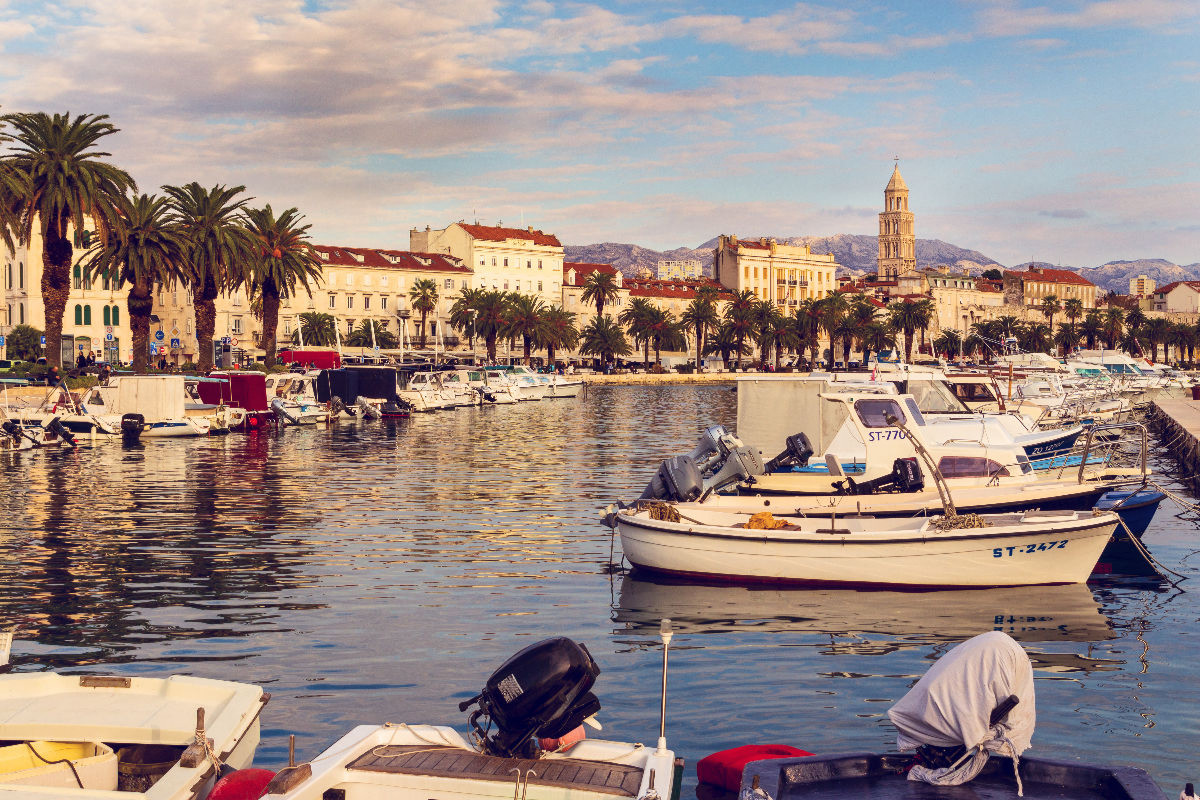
(1141, 548)
(66, 761)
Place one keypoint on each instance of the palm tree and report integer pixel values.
(830, 313)
(907, 316)
(807, 323)
(783, 335)
(766, 318)
(281, 261)
(603, 338)
(1009, 325)
(1114, 318)
(1049, 308)
(559, 332)
(1034, 337)
(1157, 331)
(316, 329)
(1092, 328)
(948, 342)
(666, 332)
(847, 331)
(62, 180)
(876, 337)
(700, 315)
(638, 318)
(739, 314)
(600, 287)
(215, 245)
(364, 336)
(462, 313)
(723, 341)
(1073, 308)
(13, 185)
(423, 297)
(526, 318)
(1135, 319)
(864, 314)
(491, 318)
(147, 251)
(1066, 339)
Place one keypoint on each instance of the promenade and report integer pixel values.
(1178, 424)
(647, 379)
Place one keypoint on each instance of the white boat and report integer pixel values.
(425, 392)
(466, 385)
(151, 724)
(1035, 547)
(565, 386)
(67, 407)
(293, 398)
(160, 399)
(500, 390)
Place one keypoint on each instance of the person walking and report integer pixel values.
(1188, 793)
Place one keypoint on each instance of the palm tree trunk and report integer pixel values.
(203, 296)
(646, 353)
(527, 342)
(491, 348)
(908, 346)
(423, 315)
(56, 289)
(270, 322)
(139, 305)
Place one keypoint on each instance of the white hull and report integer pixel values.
(377, 743)
(1018, 550)
(565, 388)
(175, 428)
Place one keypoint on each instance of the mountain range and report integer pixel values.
(857, 255)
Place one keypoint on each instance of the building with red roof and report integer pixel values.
(784, 274)
(1031, 286)
(1182, 296)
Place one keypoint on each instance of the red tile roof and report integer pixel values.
(655, 287)
(494, 234)
(583, 269)
(1164, 290)
(338, 256)
(1053, 276)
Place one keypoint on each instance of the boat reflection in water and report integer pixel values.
(875, 622)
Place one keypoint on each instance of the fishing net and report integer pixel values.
(954, 522)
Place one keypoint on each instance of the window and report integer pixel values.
(449, 283)
(349, 301)
(333, 301)
(237, 324)
(383, 302)
(528, 264)
(506, 286)
(116, 317)
(78, 308)
(287, 327)
(539, 263)
(971, 467)
(349, 281)
(493, 261)
(87, 315)
(481, 262)
(21, 308)
(76, 280)
(107, 316)
(349, 326)
(539, 286)
(464, 283)
(506, 262)
(874, 413)
(366, 302)
(237, 298)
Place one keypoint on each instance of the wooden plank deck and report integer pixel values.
(452, 762)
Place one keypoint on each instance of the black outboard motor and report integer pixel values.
(132, 425)
(905, 477)
(56, 427)
(720, 456)
(12, 428)
(797, 451)
(678, 478)
(543, 691)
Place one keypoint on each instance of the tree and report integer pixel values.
(1066, 339)
(490, 319)
(739, 315)
(281, 261)
(1049, 308)
(807, 324)
(423, 297)
(700, 315)
(525, 318)
(24, 343)
(600, 287)
(462, 313)
(62, 181)
(876, 337)
(1157, 331)
(1134, 319)
(949, 343)
(723, 341)
(1092, 328)
(1183, 338)
(993, 275)
(665, 331)
(1114, 318)
(316, 329)
(559, 331)
(216, 244)
(638, 318)
(1034, 337)
(766, 319)
(908, 316)
(603, 338)
(863, 314)
(831, 309)
(362, 336)
(147, 250)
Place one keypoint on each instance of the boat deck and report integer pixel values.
(453, 762)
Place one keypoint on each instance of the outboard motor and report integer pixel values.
(277, 405)
(678, 478)
(12, 428)
(541, 692)
(132, 425)
(905, 477)
(720, 455)
(368, 410)
(797, 451)
(56, 427)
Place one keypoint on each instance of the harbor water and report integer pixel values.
(380, 571)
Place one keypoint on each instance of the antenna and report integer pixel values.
(664, 630)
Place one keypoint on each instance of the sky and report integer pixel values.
(1065, 132)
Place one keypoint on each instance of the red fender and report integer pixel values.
(242, 784)
(724, 768)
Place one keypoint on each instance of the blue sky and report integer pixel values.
(1065, 132)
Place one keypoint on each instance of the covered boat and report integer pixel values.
(159, 399)
(246, 391)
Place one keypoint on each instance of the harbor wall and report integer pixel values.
(1177, 423)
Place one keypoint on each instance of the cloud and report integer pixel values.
(1065, 213)
(1011, 18)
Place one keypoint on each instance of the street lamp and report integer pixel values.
(472, 314)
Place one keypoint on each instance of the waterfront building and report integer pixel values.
(680, 270)
(897, 240)
(574, 278)
(1028, 288)
(522, 260)
(1180, 297)
(96, 319)
(1141, 286)
(784, 274)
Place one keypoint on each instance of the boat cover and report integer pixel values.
(952, 703)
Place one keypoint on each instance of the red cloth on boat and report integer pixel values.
(724, 768)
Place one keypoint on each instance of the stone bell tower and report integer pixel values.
(897, 242)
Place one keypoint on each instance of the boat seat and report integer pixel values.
(454, 762)
(835, 466)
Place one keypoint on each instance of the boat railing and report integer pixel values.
(1104, 444)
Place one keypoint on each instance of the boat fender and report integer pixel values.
(242, 784)
(724, 768)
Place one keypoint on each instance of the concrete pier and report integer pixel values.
(1177, 422)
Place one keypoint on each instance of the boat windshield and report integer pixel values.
(970, 467)
(935, 397)
(875, 413)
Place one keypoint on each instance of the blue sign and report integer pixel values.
(224, 340)
(153, 349)
(1, 341)
(158, 335)
(43, 341)
(175, 343)
(108, 337)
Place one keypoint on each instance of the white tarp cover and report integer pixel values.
(952, 703)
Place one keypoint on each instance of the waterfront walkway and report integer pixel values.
(1178, 423)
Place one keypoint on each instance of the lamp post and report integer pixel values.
(472, 314)
(403, 314)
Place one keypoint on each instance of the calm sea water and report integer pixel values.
(380, 572)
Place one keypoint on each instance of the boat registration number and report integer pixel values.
(883, 436)
(1038, 547)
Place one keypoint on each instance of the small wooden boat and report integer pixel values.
(1034, 547)
(170, 736)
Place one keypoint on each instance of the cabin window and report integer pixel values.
(971, 467)
(913, 411)
(973, 393)
(874, 413)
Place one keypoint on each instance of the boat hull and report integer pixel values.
(1006, 555)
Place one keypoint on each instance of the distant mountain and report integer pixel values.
(1114, 276)
(856, 254)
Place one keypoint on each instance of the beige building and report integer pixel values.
(574, 277)
(962, 300)
(96, 319)
(1030, 287)
(520, 260)
(1180, 297)
(679, 270)
(783, 274)
(897, 240)
(1141, 286)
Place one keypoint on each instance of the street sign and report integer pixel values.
(81, 348)
(376, 348)
(153, 349)
(108, 328)
(174, 331)
(159, 335)
(224, 340)
(233, 342)
(1, 341)
(108, 337)
(43, 341)
(175, 344)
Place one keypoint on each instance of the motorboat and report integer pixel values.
(117, 736)
(424, 391)
(246, 391)
(159, 399)
(527, 743)
(359, 392)
(500, 389)
(293, 398)
(466, 385)
(565, 385)
(67, 407)
(1020, 549)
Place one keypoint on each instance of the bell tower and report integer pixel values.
(897, 242)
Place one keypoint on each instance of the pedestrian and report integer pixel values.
(91, 359)
(104, 373)
(81, 362)
(53, 376)
(1188, 793)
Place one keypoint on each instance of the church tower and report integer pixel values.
(897, 242)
